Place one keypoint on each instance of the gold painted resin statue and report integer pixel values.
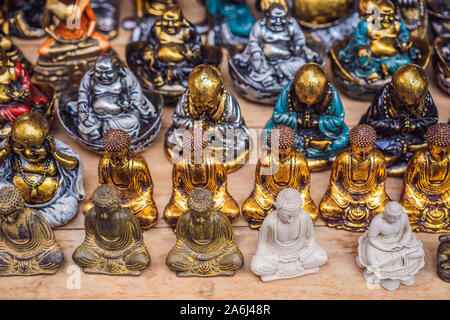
(357, 184)
(114, 243)
(205, 241)
(27, 243)
(198, 169)
(129, 173)
(275, 171)
(47, 172)
(426, 196)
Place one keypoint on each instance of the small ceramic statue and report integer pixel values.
(129, 174)
(311, 106)
(439, 15)
(426, 195)
(276, 49)
(380, 45)
(166, 56)
(47, 172)
(107, 13)
(72, 45)
(198, 169)
(114, 243)
(209, 105)
(441, 62)
(357, 184)
(110, 97)
(401, 113)
(279, 168)
(443, 257)
(286, 244)
(389, 252)
(205, 244)
(27, 243)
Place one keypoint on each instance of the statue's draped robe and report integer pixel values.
(236, 14)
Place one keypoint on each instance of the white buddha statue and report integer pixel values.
(286, 244)
(389, 252)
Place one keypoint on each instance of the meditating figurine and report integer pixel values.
(426, 195)
(389, 252)
(27, 243)
(276, 170)
(110, 97)
(443, 257)
(208, 105)
(129, 174)
(166, 56)
(47, 172)
(380, 45)
(401, 113)
(357, 184)
(311, 106)
(198, 169)
(276, 49)
(205, 241)
(441, 62)
(286, 244)
(114, 243)
(72, 45)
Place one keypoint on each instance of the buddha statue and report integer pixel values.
(129, 174)
(389, 252)
(401, 113)
(145, 8)
(277, 169)
(311, 106)
(27, 243)
(276, 49)
(443, 257)
(357, 184)
(208, 105)
(114, 243)
(205, 244)
(72, 45)
(47, 172)
(426, 195)
(286, 244)
(198, 169)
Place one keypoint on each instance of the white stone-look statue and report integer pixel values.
(389, 252)
(286, 244)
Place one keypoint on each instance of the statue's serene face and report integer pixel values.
(12, 216)
(171, 22)
(439, 153)
(276, 19)
(33, 150)
(106, 211)
(199, 217)
(106, 71)
(391, 218)
(361, 154)
(286, 216)
(118, 158)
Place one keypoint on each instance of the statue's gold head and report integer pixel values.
(387, 13)
(29, 135)
(200, 201)
(362, 138)
(410, 85)
(172, 19)
(205, 87)
(11, 204)
(283, 137)
(438, 138)
(311, 82)
(106, 200)
(117, 145)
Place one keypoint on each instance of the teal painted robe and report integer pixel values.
(235, 12)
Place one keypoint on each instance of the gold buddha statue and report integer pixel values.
(426, 196)
(27, 243)
(357, 183)
(198, 169)
(151, 7)
(276, 171)
(205, 244)
(114, 243)
(129, 173)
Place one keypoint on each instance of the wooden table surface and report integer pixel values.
(340, 278)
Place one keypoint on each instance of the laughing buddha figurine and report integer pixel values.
(209, 105)
(198, 169)
(128, 172)
(205, 244)
(311, 106)
(27, 242)
(426, 195)
(401, 114)
(357, 184)
(276, 171)
(114, 243)
(47, 172)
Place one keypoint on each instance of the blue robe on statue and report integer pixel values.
(330, 127)
(235, 12)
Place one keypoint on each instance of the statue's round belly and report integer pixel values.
(171, 53)
(321, 11)
(274, 53)
(383, 48)
(45, 191)
(107, 104)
